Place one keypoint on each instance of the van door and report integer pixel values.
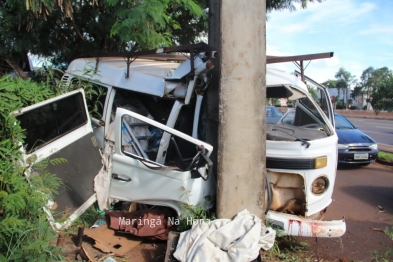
(59, 131)
(324, 98)
(184, 178)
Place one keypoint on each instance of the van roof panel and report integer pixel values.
(147, 76)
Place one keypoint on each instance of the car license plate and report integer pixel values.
(360, 156)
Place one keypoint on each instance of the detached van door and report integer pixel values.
(184, 178)
(59, 132)
(324, 98)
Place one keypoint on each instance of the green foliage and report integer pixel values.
(356, 92)
(64, 30)
(286, 4)
(287, 248)
(385, 156)
(275, 101)
(74, 28)
(193, 212)
(344, 79)
(313, 93)
(87, 219)
(330, 83)
(388, 254)
(340, 105)
(382, 95)
(374, 83)
(93, 93)
(25, 234)
(366, 82)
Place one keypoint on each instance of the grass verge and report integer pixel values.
(387, 255)
(385, 156)
(287, 248)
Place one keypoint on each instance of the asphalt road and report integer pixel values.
(357, 194)
(380, 130)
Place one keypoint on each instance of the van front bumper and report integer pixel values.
(299, 226)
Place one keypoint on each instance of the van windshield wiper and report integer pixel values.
(304, 142)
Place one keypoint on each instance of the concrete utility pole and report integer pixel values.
(242, 108)
(213, 95)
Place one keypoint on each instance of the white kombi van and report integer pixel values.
(301, 159)
(143, 140)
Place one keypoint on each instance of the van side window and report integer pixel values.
(51, 121)
(143, 140)
(140, 138)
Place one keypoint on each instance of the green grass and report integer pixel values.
(387, 255)
(385, 156)
(287, 248)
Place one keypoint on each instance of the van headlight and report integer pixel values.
(320, 162)
(342, 146)
(374, 146)
(319, 185)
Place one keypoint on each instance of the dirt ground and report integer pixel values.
(149, 251)
(153, 251)
(358, 193)
(318, 250)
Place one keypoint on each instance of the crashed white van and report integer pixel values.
(144, 159)
(143, 141)
(301, 159)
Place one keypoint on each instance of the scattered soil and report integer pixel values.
(147, 251)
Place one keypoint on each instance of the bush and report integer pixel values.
(341, 105)
(25, 233)
(353, 108)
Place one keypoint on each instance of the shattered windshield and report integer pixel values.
(302, 123)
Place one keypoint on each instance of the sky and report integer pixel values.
(358, 32)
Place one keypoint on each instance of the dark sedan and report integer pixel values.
(354, 146)
(273, 114)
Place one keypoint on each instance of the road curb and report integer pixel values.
(368, 114)
(385, 148)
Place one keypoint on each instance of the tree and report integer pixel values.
(66, 29)
(313, 92)
(382, 95)
(370, 78)
(379, 75)
(344, 82)
(75, 28)
(330, 83)
(366, 81)
(356, 92)
(286, 4)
